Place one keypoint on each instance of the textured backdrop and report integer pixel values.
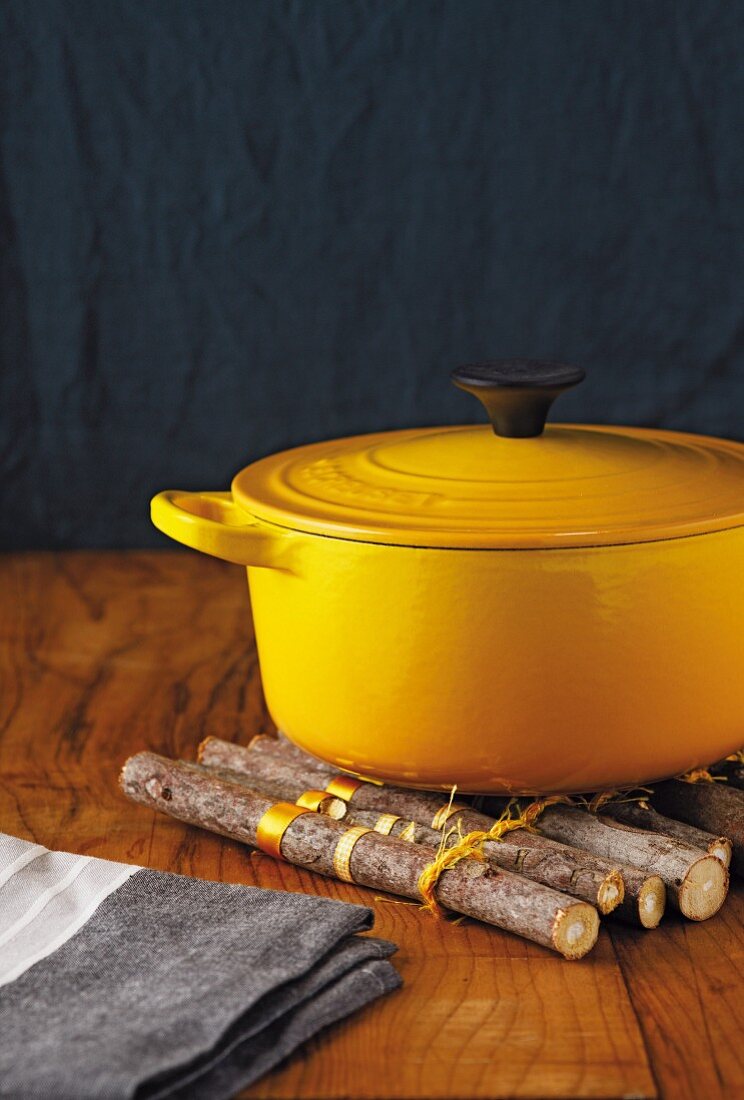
(229, 227)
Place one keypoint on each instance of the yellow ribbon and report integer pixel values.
(343, 850)
(273, 825)
(384, 824)
(313, 800)
(343, 786)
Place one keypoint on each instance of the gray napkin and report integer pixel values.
(122, 982)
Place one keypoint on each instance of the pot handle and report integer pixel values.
(517, 393)
(213, 523)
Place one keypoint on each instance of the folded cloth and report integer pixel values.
(117, 981)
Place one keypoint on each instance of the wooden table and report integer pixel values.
(104, 654)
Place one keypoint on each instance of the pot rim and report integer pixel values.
(290, 532)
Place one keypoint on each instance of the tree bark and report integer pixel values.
(283, 786)
(643, 816)
(716, 807)
(567, 869)
(282, 747)
(697, 882)
(262, 766)
(497, 897)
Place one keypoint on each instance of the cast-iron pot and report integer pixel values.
(521, 609)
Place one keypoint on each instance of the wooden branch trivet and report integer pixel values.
(426, 807)
(645, 895)
(311, 840)
(697, 882)
(643, 816)
(644, 898)
(716, 807)
(566, 869)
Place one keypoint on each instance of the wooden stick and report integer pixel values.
(567, 869)
(645, 898)
(643, 816)
(497, 897)
(282, 786)
(716, 807)
(732, 771)
(697, 882)
(282, 747)
(263, 766)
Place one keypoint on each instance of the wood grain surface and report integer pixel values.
(103, 654)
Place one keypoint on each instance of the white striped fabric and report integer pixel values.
(45, 898)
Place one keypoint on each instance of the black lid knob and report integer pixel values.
(517, 393)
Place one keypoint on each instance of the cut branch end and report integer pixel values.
(610, 893)
(575, 930)
(704, 889)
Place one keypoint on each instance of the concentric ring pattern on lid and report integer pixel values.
(515, 486)
(465, 487)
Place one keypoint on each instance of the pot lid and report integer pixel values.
(514, 485)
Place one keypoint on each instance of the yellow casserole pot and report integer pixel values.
(521, 609)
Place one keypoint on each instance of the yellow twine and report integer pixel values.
(737, 757)
(535, 809)
(470, 846)
(443, 861)
(514, 817)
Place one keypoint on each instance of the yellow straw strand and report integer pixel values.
(445, 812)
(622, 795)
(701, 775)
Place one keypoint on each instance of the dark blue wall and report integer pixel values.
(229, 227)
